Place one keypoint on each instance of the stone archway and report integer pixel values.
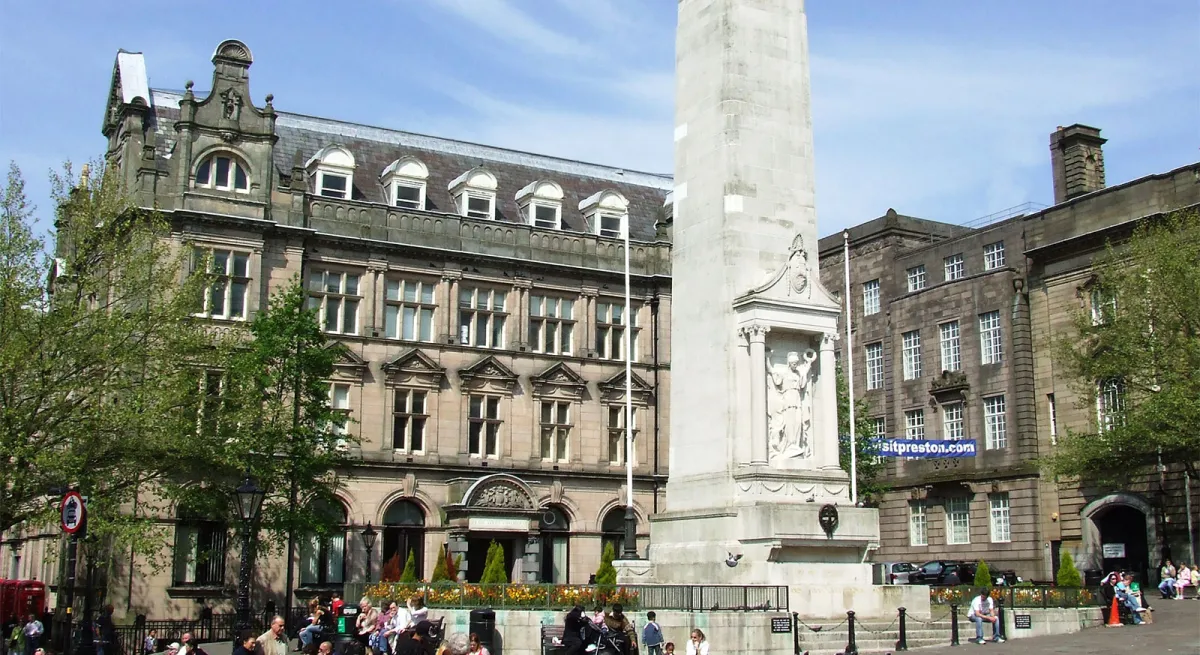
(1120, 519)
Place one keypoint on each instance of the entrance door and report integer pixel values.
(477, 548)
(1123, 540)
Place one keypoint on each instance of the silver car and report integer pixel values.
(891, 572)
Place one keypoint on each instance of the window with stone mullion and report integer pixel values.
(481, 317)
(610, 330)
(616, 434)
(408, 420)
(556, 430)
(409, 310)
(551, 324)
(229, 282)
(334, 295)
(483, 432)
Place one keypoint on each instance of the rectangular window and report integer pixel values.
(610, 225)
(616, 434)
(951, 352)
(483, 436)
(952, 421)
(334, 186)
(551, 324)
(1104, 307)
(874, 366)
(481, 317)
(914, 424)
(993, 256)
(545, 216)
(610, 330)
(556, 431)
(1110, 405)
(229, 275)
(916, 278)
(1001, 524)
(408, 312)
(212, 391)
(918, 534)
(476, 205)
(339, 402)
(870, 297)
(199, 553)
(958, 521)
(953, 265)
(991, 344)
(1053, 411)
(409, 195)
(912, 354)
(334, 295)
(323, 559)
(409, 415)
(995, 424)
(879, 425)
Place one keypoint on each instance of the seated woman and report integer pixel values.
(315, 616)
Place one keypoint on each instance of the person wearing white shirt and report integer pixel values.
(697, 645)
(982, 611)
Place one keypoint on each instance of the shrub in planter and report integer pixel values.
(983, 575)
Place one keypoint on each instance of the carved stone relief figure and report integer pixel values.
(501, 496)
(789, 406)
(231, 104)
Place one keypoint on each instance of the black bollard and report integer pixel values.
(796, 632)
(953, 624)
(1000, 618)
(851, 647)
(903, 643)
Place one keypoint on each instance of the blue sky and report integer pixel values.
(940, 109)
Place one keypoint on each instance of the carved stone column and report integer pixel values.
(757, 335)
(825, 448)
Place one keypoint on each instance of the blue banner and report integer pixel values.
(926, 448)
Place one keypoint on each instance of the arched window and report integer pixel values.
(612, 530)
(404, 533)
(323, 557)
(223, 171)
(556, 545)
(199, 550)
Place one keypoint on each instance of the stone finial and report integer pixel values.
(84, 173)
(270, 99)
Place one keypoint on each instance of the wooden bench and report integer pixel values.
(549, 634)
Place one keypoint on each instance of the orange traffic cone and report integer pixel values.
(1114, 616)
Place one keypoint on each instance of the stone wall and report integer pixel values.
(1051, 621)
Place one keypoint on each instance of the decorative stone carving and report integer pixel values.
(789, 406)
(754, 331)
(796, 270)
(415, 368)
(501, 495)
(559, 380)
(949, 383)
(489, 372)
(612, 390)
(231, 105)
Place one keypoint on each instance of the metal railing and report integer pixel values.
(1019, 597)
(686, 598)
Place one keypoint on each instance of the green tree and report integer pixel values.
(1135, 350)
(410, 569)
(97, 345)
(983, 575)
(606, 575)
(439, 570)
(871, 467)
(493, 569)
(1068, 575)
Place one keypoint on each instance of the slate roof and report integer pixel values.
(375, 148)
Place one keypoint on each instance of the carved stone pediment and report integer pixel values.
(949, 384)
(796, 281)
(414, 368)
(559, 381)
(613, 389)
(346, 363)
(488, 373)
(500, 492)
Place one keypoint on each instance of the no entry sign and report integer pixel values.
(74, 512)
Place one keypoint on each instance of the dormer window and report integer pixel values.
(541, 204)
(223, 172)
(475, 194)
(607, 213)
(404, 180)
(333, 172)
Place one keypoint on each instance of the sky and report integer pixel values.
(937, 108)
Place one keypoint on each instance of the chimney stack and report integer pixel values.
(1077, 157)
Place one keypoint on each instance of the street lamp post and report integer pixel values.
(368, 538)
(249, 501)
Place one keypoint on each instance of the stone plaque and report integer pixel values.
(781, 624)
(1113, 550)
(497, 524)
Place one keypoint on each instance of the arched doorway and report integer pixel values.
(555, 529)
(1118, 532)
(404, 533)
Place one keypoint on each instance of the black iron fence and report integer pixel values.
(687, 598)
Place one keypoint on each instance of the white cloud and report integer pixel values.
(505, 22)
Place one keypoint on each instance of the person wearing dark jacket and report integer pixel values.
(573, 625)
(246, 643)
(617, 622)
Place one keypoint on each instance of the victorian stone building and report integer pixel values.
(952, 339)
(480, 293)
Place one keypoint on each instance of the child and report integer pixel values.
(598, 619)
(652, 637)
(669, 648)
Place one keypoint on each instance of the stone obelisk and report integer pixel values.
(753, 456)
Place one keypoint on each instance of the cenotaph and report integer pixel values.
(755, 495)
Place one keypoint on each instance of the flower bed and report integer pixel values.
(1017, 596)
(534, 596)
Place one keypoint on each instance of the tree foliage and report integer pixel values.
(493, 569)
(391, 569)
(410, 569)
(871, 467)
(607, 573)
(1068, 575)
(1138, 335)
(440, 572)
(97, 345)
(983, 575)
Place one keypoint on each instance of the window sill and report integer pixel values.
(198, 591)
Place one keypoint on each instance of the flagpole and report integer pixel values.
(629, 551)
(849, 358)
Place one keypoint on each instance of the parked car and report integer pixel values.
(951, 573)
(891, 572)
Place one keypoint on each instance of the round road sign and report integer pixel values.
(73, 512)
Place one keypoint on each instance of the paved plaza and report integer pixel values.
(1176, 630)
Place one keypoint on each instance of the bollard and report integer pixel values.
(796, 632)
(953, 624)
(851, 647)
(1000, 618)
(902, 644)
